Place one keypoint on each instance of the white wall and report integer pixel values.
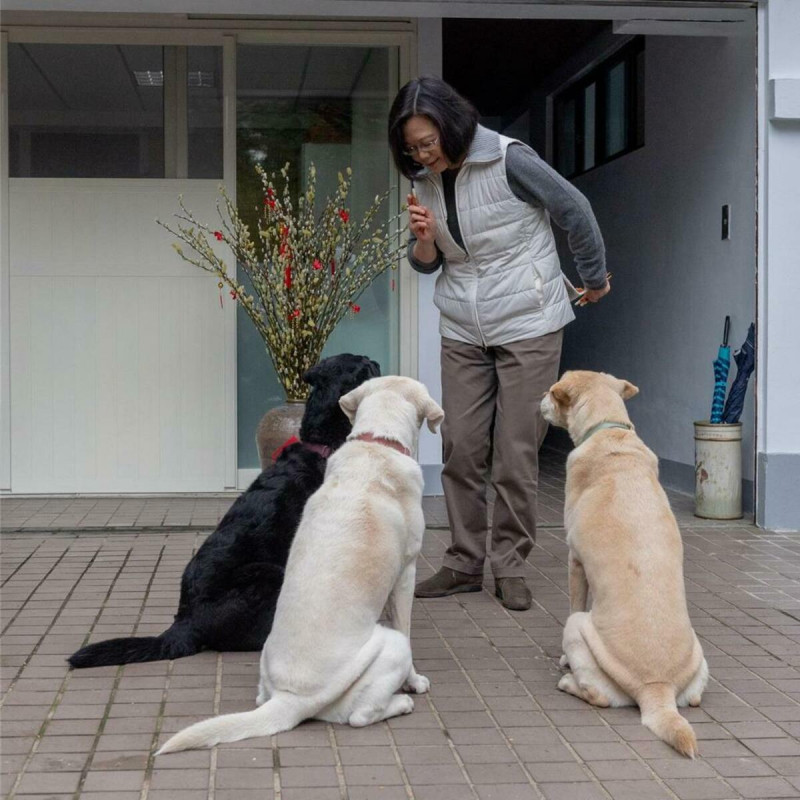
(659, 209)
(779, 244)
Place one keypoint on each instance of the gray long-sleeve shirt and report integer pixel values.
(534, 181)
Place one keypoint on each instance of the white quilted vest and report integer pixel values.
(507, 285)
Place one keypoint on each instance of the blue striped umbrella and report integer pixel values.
(745, 358)
(722, 364)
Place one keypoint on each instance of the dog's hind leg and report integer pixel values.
(694, 689)
(374, 696)
(578, 585)
(398, 705)
(587, 680)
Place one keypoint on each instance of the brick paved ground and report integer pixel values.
(494, 726)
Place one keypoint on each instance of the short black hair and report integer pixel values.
(454, 116)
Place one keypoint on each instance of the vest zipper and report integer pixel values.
(469, 259)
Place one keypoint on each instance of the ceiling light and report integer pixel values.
(149, 77)
(200, 78)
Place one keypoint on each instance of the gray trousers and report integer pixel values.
(493, 429)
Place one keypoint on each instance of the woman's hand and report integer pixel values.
(593, 295)
(421, 221)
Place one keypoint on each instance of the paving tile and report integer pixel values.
(432, 755)
(507, 791)
(763, 788)
(636, 790)
(573, 791)
(309, 793)
(178, 778)
(114, 781)
(619, 770)
(740, 767)
(238, 778)
(377, 793)
(452, 791)
(773, 747)
(439, 774)
(310, 756)
(373, 775)
(608, 751)
(680, 768)
(702, 789)
(496, 774)
(308, 777)
(559, 772)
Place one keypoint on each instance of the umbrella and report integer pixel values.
(745, 359)
(722, 364)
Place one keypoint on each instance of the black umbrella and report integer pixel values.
(745, 359)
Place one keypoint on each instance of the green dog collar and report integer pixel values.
(600, 425)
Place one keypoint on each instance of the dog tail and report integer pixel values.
(660, 715)
(281, 712)
(176, 642)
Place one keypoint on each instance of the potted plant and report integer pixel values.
(307, 269)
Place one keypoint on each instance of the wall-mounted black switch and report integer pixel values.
(726, 222)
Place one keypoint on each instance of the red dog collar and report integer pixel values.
(395, 445)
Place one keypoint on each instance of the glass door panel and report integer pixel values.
(326, 105)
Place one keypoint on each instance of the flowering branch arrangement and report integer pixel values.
(307, 270)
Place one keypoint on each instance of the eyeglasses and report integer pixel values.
(422, 147)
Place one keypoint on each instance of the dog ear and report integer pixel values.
(311, 376)
(434, 414)
(349, 402)
(628, 390)
(560, 394)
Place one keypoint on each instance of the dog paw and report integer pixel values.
(568, 684)
(409, 705)
(418, 684)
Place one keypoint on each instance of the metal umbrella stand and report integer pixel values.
(718, 450)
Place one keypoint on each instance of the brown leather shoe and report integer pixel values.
(448, 581)
(513, 593)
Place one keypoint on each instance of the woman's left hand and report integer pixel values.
(593, 295)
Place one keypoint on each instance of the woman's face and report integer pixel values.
(422, 144)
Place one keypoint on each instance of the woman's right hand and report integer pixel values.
(421, 221)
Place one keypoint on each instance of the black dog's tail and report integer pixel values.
(175, 642)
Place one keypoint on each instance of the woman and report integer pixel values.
(481, 213)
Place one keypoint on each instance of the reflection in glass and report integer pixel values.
(85, 111)
(589, 126)
(204, 111)
(565, 142)
(616, 111)
(327, 106)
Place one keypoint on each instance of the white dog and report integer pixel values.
(354, 553)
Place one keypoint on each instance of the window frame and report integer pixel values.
(632, 55)
(149, 29)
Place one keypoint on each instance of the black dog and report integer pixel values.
(230, 587)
